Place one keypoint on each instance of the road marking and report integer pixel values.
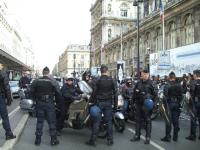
(10, 115)
(8, 145)
(151, 142)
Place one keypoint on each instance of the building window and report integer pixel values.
(188, 30)
(158, 39)
(124, 10)
(147, 42)
(172, 35)
(109, 8)
(109, 34)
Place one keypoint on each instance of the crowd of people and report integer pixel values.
(142, 93)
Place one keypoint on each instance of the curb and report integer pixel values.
(8, 145)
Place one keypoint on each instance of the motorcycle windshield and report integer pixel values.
(85, 88)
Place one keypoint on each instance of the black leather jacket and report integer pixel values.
(144, 90)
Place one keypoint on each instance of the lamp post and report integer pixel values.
(90, 47)
(74, 73)
(136, 3)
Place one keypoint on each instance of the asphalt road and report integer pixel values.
(75, 139)
(15, 115)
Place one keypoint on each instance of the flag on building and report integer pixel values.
(161, 10)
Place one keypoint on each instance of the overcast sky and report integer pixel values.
(52, 25)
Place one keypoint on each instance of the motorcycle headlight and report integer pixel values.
(161, 95)
(120, 103)
(187, 95)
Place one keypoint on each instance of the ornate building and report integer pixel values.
(109, 19)
(182, 27)
(75, 58)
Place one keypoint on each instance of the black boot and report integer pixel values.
(54, 141)
(147, 140)
(191, 137)
(110, 142)
(166, 139)
(58, 132)
(10, 136)
(38, 140)
(135, 138)
(175, 137)
(91, 143)
(148, 132)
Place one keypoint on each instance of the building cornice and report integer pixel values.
(154, 19)
(94, 5)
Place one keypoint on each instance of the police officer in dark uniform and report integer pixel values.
(69, 93)
(43, 91)
(104, 91)
(143, 90)
(5, 94)
(195, 95)
(172, 100)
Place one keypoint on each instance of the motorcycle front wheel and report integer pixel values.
(119, 125)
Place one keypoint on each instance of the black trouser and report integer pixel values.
(174, 118)
(142, 114)
(62, 115)
(4, 115)
(45, 111)
(106, 109)
(194, 120)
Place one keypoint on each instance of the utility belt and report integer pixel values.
(104, 100)
(45, 98)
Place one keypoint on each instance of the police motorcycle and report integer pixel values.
(118, 116)
(163, 106)
(26, 103)
(188, 102)
(156, 110)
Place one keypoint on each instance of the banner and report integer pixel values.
(120, 70)
(164, 60)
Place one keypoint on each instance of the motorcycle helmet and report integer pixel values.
(95, 111)
(148, 104)
(69, 77)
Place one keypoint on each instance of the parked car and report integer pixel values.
(14, 88)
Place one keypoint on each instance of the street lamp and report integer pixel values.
(136, 3)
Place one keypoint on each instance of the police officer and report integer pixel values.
(43, 91)
(5, 94)
(173, 97)
(195, 94)
(70, 93)
(143, 90)
(104, 91)
(127, 93)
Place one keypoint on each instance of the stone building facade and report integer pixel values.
(182, 27)
(109, 20)
(75, 58)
